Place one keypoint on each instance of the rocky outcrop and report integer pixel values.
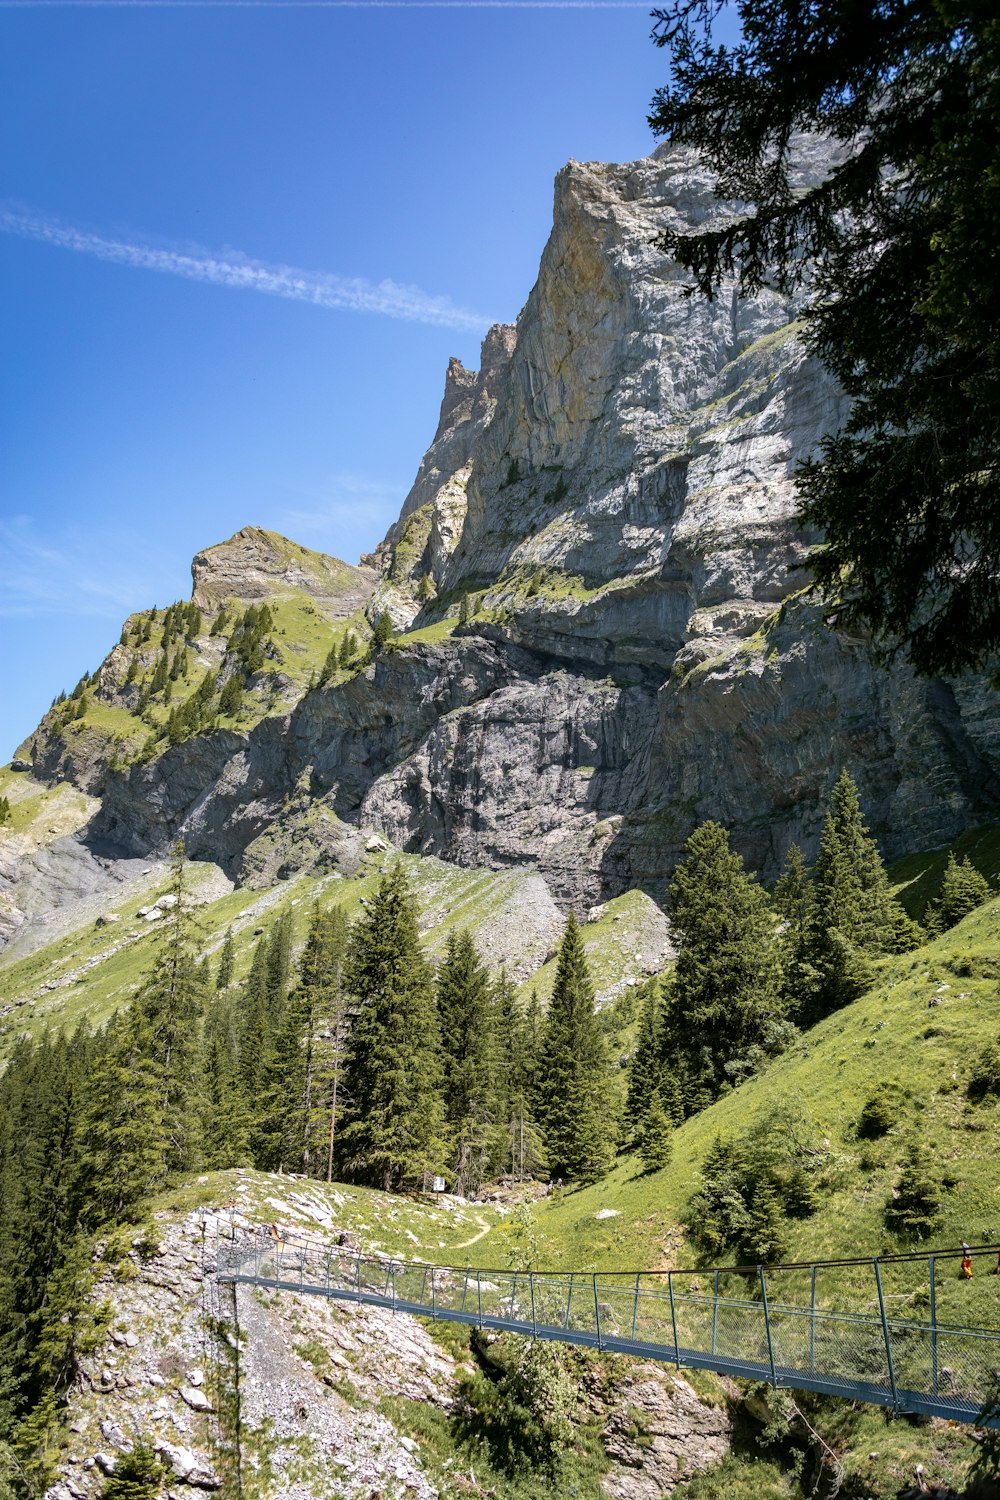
(661, 1434)
(292, 1397)
(256, 565)
(433, 514)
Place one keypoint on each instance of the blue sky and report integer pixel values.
(238, 244)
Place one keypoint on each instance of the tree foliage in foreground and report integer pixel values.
(898, 243)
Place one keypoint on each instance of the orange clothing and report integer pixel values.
(967, 1267)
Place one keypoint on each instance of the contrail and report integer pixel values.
(347, 293)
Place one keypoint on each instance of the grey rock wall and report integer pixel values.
(613, 494)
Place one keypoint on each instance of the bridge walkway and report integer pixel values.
(864, 1330)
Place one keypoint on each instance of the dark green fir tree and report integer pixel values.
(470, 1062)
(645, 1073)
(576, 1103)
(852, 916)
(393, 1131)
(963, 888)
(724, 1004)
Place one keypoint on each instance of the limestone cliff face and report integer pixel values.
(601, 540)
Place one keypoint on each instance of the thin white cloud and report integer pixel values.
(390, 299)
(75, 577)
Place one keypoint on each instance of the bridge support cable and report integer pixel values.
(815, 1327)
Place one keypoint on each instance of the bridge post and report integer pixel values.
(531, 1284)
(635, 1304)
(885, 1334)
(597, 1313)
(715, 1307)
(433, 1299)
(569, 1299)
(812, 1322)
(479, 1290)
(934, 1341)
(673, 1319)
(465, 1289)
(767, 1327)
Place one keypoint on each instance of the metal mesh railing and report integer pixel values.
(869, 1330)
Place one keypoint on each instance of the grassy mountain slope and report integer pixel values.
(94, 969)
(922, 1026)
(121, 712)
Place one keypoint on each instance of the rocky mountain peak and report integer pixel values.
(255, 564)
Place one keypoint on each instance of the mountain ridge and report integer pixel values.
(600, 636)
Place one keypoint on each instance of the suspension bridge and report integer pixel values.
(864, 1330)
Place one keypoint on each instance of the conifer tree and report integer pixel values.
(576, 1105)
(142, 1120)
(724, 998)
(963, 888)
(171, 1005)
(231, 697)
(306, 1053)
(393, 1135)
(329, 666)
(791, 903)
(139, 1474)
(518, 1032)
(279, 961)
(656, 1137)
(259, 1020)
(4, 810)
(253, 1022)
(227, 959)
(348, 649)
(123, 1141)
(470, 1064)
(381, 633)
(851, 915)
(160, 675)
(645, 1074)
(226, 1131)
(322, 975)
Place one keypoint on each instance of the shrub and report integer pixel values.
(915, 1205)
(139, 1475)
(984, 1081)
(880, 1112)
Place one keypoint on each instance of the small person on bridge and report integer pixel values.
(966, 1262)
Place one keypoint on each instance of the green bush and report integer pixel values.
(520, 1406)
(140, 1475)
(880, 1112)
(914, 1208)
(984, 1081)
